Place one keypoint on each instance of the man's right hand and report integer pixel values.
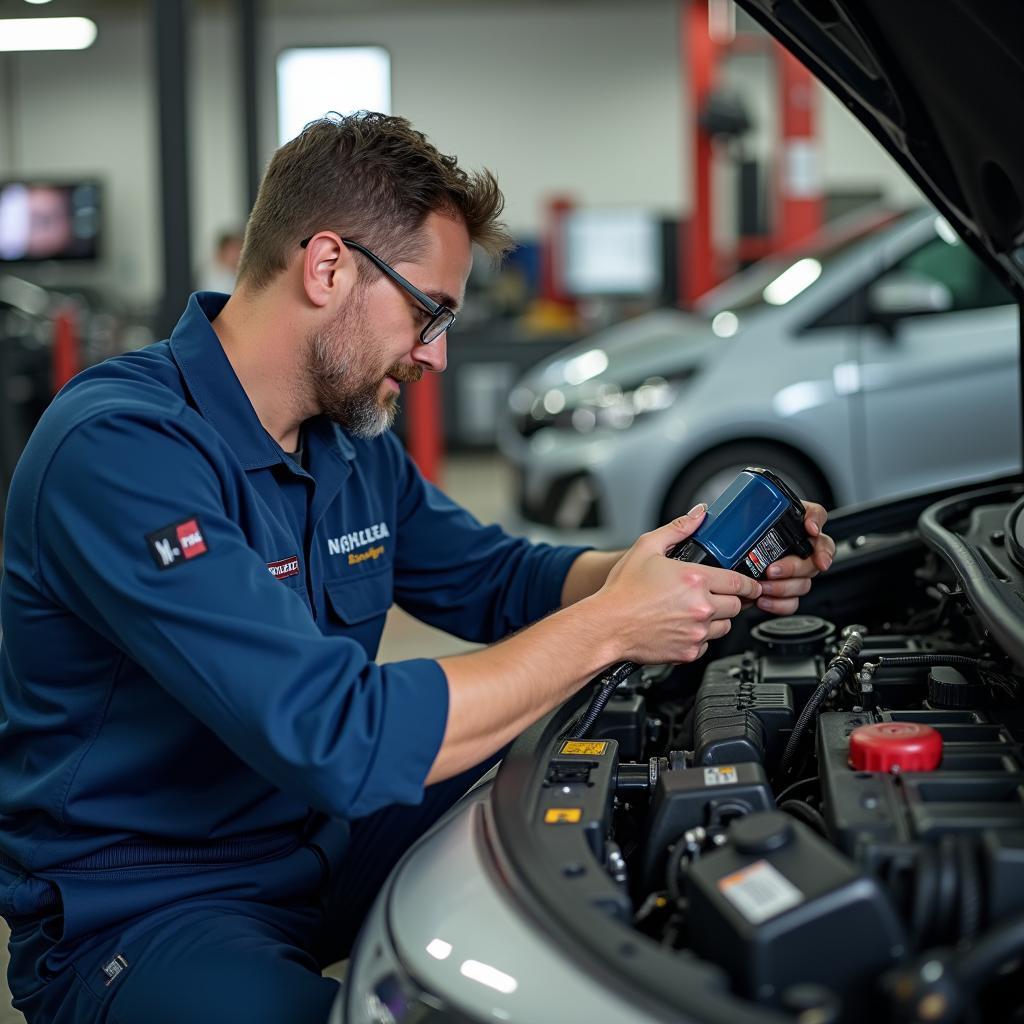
(665, 611)
(651, 609)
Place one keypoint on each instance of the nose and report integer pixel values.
(435, 355)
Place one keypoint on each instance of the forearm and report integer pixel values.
(497, 692)
(587, 574)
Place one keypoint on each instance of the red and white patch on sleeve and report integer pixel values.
(284, 568)
(177, 543)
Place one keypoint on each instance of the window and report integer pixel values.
(314, 80)
(971, 284)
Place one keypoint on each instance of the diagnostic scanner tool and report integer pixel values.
(755, 521)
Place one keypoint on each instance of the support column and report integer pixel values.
(697, 264)
(170, 40)
(249, 12)
(800, 203)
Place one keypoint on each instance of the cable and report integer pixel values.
(686, 850)
(839, 668)
(927, 660)
(787, 792)
(809, 711)
(608, 682)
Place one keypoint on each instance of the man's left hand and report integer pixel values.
(788, 579)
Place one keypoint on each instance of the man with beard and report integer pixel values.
(204, 775)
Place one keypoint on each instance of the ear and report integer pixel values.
(329, 272)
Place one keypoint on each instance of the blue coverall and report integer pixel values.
(204, 776)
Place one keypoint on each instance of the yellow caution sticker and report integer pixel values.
(592, 748)
(563, 815)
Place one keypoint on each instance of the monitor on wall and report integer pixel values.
(47, 220)
(613, 252)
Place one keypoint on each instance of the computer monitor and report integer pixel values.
(613, 252)
(46, 220)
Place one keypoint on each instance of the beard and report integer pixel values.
(346, 380)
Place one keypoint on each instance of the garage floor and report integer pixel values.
(480, 482)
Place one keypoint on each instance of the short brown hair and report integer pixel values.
(372, 177)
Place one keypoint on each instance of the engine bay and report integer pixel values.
(823, 819)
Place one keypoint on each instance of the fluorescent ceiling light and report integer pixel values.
(46, 33)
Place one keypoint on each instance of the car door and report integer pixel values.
(939, 394)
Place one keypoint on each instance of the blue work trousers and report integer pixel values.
(238, 942)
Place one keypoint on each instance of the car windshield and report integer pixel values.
(778, 279)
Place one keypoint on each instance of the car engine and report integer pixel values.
(829, 813)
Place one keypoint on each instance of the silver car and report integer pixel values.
(880, 360)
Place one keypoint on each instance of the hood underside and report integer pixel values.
(940, 84)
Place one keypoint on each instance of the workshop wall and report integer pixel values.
(585, 99)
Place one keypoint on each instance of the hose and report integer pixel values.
(999, 944)
(807, 814)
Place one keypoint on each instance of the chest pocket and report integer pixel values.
(358, 607)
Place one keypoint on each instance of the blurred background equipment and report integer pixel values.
(49, 221)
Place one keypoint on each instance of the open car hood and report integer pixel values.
(939, 83)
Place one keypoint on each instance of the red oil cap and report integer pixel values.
(895, 747)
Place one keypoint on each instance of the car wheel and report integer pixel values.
(706, 478)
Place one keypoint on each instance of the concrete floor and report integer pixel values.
(482, 483)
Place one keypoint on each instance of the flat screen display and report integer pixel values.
(613, 252)
(42, 220)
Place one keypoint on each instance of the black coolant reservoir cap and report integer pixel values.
(796, 635)
(761, 833)
(948, 688)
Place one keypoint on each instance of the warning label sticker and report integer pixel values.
(760, 891)
(720, 775)
(592, 748)
(563, 815)
(763, 553)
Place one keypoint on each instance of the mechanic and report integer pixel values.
(204, 775)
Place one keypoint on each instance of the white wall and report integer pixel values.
(93, 113)
(220, 198)
(584, 98)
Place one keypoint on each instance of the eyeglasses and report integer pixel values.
(441, 317)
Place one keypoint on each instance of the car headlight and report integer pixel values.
(603, 404)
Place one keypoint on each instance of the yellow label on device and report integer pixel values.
(592, 748)
(563, 815)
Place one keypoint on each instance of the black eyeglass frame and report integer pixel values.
(439, 315)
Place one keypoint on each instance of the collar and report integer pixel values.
(222, 400)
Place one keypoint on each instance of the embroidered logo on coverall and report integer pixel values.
(176, 543)
(348, 543)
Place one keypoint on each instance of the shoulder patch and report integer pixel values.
(177, 543)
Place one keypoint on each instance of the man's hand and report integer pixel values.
(668, 611)
(788, 579)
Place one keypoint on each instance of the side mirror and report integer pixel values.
(903, 293)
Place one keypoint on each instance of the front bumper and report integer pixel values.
(446, 940)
